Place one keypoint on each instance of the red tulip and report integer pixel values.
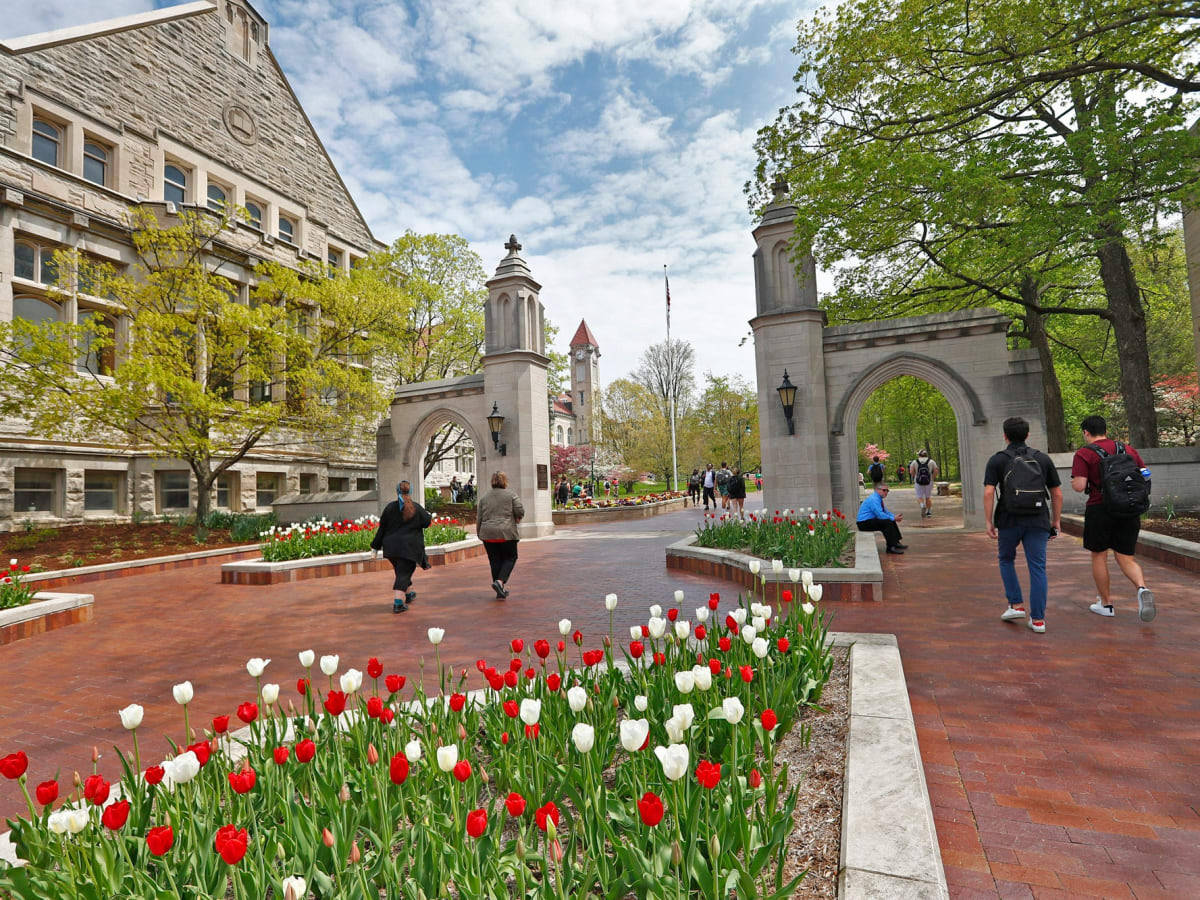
(562, 645)
(701, 632)
(335, 703)
(514, 665)
(242, 782)
(231, 843)
(220, 724)
(783, 645)
(46, 792)
(660, 659)
(327, 837)
(374, 667)
(302, 686)
(496, 681)
(154, 774)
(374, 707)
(462, 770)
(305, 751)
(787, 596)
(115, 817)
(398, 768)
(724, 643)
(248, 712)
(547, 812)
(510, 679)
(541, 648)
(95, 789)
(160, 839)
(591, 657)
(530, 674)
(577, 637)
(553, 681)
(714, 666)
(281, 755)
(203, 751)
(517, 645)
(515, 803)
(394, 683)
(672, 614)
(731, 624)
(708, 774)
(755, 778)
(387, 715)
(650, 808)
(14, 765)
(457, 701)
(532, 731)
(714, 600)
(769, 719)
(636, 649)
(481, 664)
(504, 738)
(476, 822)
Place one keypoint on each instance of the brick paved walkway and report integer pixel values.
(1063, 764)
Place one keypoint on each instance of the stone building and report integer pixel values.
(572, 414)
(183, 107)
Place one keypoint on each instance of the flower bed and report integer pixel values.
(613, 502)
(548, 787)
(13, 591)
(801, 539)
(306, 540)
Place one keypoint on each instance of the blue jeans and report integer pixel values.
(1033, 538)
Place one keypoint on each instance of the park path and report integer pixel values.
(1062, 764)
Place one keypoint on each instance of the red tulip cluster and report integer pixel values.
(231, 843)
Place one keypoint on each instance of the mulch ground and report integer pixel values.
(89, 545)
(1186, 528)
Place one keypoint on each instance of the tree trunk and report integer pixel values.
(204, 483)
(1052, 401)
(1129, 329)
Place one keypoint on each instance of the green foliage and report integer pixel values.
(813, 541)
(248, 526)
(321, 538)
(30, 538)
(904, 415)
(13, 590)
(433, 499)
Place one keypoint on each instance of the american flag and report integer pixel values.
(667, 281)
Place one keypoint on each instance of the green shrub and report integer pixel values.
(800, 541)
(433, 499)
(250, 526)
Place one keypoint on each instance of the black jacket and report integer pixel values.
(737, 487)
(403, 540)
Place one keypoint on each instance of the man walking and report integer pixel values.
(709, 482)
(1118, 492)
(874, 516)
(875, 471)
(723, 474)
(923, 471)
(1028, 513)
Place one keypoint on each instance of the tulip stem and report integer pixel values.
(187, 728)
(137, 756)
(28, 800)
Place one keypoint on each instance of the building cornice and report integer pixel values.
(47, 39)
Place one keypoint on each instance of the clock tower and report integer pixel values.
(585, 381)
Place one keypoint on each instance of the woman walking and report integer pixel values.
(498, 514)
(736, 489)
(693, 486)
(401, 539)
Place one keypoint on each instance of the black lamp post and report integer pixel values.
(495, 426)
(787, 396)
(743, 429)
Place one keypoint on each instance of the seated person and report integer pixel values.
(874, 516)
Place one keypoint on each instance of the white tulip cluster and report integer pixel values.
(68, 821)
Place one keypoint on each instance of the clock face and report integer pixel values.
(579, 353)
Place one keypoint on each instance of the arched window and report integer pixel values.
(174, 184)
(47, 142)
(36, 312)
(216, 198)
(558, 434)
(287, 230)
(570, 435)
(254, 214)
(95, 163)
(99, 360)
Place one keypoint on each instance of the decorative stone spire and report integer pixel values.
(513, 263)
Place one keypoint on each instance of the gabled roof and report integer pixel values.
(46, 39)
(584, 337)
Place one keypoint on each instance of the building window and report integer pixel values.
(35, 310)
(227, 491)
(260, 392)
(97, 360)
(217, 198)
(34, 263)
(102, 492)
(173, 490)
(174, 184)
(36, 491)
(558, 434)
(95, 163)
(287, 230)
(335, 259)
(47, 142)
(268, 486)
(364, 484)
(339, 483)
(254, 214)
(570, 435)
(308, 483)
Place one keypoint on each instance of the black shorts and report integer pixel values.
(1102, 531)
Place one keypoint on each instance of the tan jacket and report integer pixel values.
(497, 515)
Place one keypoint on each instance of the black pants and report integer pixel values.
(694, 493)
(404, 569)
(708, 495)
(502, 556)
(891, 531)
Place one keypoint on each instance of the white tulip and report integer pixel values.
(703, 677)
(675, 730)
(808, 608)
(183, 693)
(306, 660)
(816, 592)
(634, 733)
(57, 823)
(131, 716)
(760, 647)
(684, 682)
(447, 757)
(657, 627)
(256, 666)
(435, 635)
(531, 710)
(655, 611)
(350, 681)
(11, 563)
(794, 575)
(777, 566)
(755, 567)
(733, 710)
(610, 602)
(329, 664)
(270, 693)
(674, 760)
(679, 596)
(684, 713)
(759, 624)
(640, 702)
(294, 888)
(682, 629)
(739, 615)
(564, 627)
(583, 736)
(635, 632)
(577, 698)
(702, 614)
(412, 750)
(184, 767)
(807, 578)
(749, 633)
(77, 820)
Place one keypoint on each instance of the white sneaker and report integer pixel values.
(1038, 625)
(1101, 610)
(1013, 612)
(1145, 598)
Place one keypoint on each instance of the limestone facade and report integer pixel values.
(184, 107)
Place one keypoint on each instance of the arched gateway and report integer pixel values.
(963, 354)
(513, 383)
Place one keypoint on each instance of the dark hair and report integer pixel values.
(403, 489)
(874, 459)
(1016, 429)
(1095, 425)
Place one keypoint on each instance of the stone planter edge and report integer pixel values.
(1162, 547)
(617, 513)
(48, 611)
(256, 571)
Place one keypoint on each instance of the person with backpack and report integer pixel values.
(875, 471)
(923, 471)
(708, 480)
(1117, 483)
(693, 486)
(1026, 492)
(723, 474)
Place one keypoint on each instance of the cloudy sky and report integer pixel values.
(610, 137)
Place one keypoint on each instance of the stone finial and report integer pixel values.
(779, 187)
(513, 246)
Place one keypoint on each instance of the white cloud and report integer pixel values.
(22, 18)
(629, 125)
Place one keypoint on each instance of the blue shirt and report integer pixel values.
(872, 508)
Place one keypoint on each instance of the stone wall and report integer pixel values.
(1175, 479)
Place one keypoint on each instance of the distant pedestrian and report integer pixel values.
(693, 486)
(709, 483)
(736, 489)
(1117, 483)
(1027, 512)
(924, 471)
(469, 490)
(562, 491)
(875, 471)
(900, 474)
(400, 538)
(455, 488)
(758, 481)
(873, 515)
(723, 474)
(500, 511)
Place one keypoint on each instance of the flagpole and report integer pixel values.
(671, 384)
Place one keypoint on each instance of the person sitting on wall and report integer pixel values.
(874, 516)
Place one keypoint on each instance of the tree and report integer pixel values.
(571, 460)
(634, 427)
(723, 425)
(668, 369)
(1062, 126)
(201, 375)
(907, 414)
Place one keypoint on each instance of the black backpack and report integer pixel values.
(923, 476)
(1023, 487)
(1125, 492)
(876, 471)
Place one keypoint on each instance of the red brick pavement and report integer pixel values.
(1059, 765)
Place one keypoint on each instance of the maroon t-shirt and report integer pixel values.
(1087, 463)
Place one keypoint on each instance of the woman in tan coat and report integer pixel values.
(498, 513)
